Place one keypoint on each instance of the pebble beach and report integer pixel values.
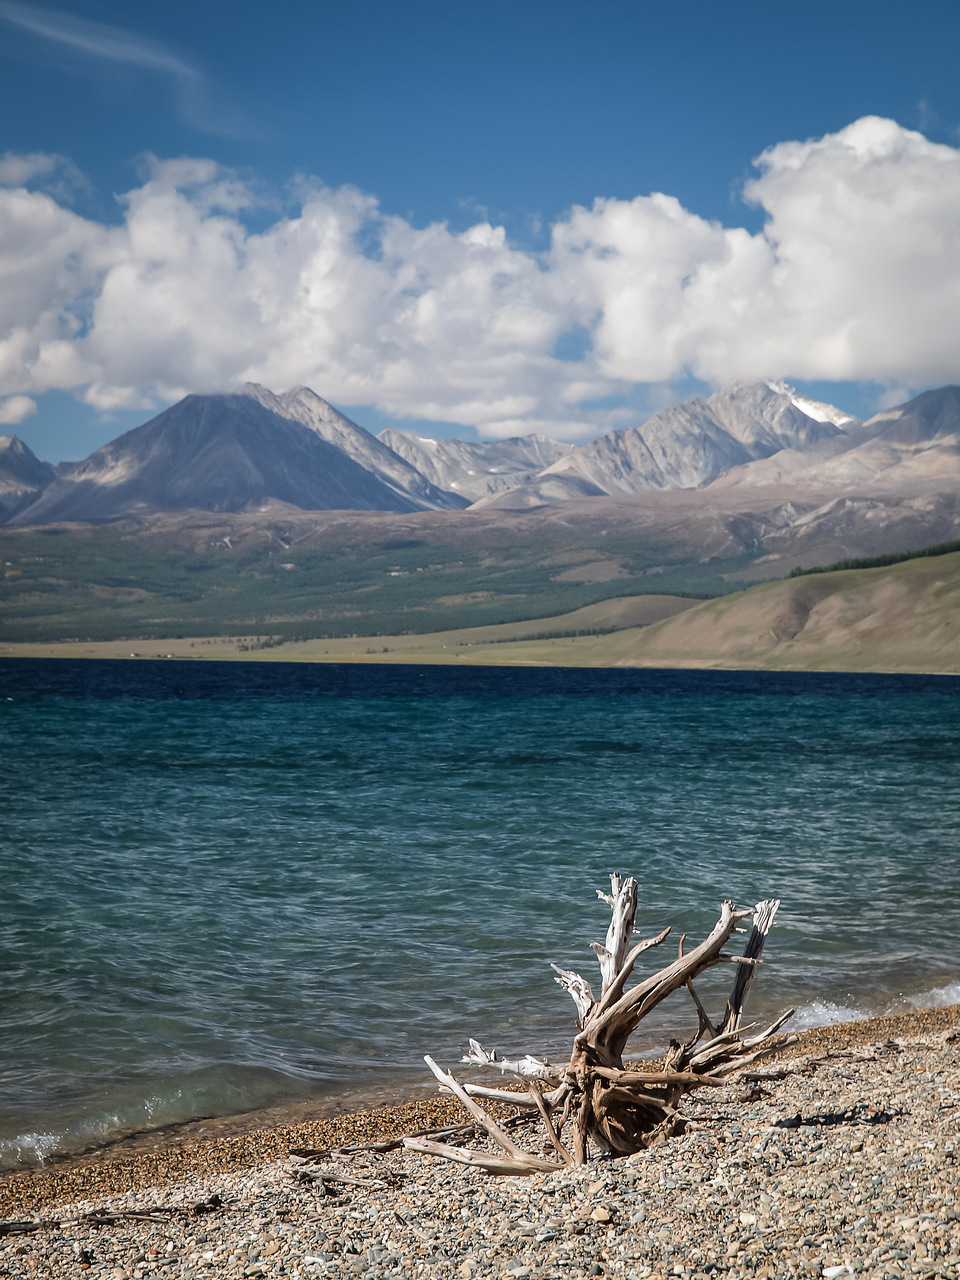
(838, 1158)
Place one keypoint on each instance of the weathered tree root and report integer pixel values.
(612, 1109)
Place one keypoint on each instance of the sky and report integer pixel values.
(472, 220)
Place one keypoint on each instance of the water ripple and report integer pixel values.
(226, 885)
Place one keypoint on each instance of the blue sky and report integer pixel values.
(354, 153)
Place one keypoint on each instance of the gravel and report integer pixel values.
(847, 1165)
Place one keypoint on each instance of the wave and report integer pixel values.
(825, 1013)
(937, 998)
(828, 1013)
(28, 1150)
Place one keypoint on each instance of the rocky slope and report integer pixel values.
(236, 453)
(22, 475)
(916, 443)
(477, 470)
(391, 467)
(684, 446)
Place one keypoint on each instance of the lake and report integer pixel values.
(228, 886)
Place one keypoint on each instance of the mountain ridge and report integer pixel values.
(477, 469)
(22, 475)
(221, 453)
(691, 443)
(301, 404)
(257, 449)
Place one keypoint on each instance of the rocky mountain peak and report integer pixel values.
(480, 469)
(22, 475)
(819, 410)
(236, 453)
(930, 416)
(766, 417)
(19, 465)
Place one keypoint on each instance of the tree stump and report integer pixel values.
(595, 1104)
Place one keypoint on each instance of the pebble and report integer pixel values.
(848, 1166)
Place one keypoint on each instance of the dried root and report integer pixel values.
(606, 1107)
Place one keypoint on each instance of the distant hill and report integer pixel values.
(902, 618)
(314, 573)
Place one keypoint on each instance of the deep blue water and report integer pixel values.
(229, 885)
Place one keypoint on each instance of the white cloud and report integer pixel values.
(891, 396)
(18, 170)
(57, 175)
(855, 276)
(16, 408)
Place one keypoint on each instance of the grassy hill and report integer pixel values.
(901, 618)
(548, 640)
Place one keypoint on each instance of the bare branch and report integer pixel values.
(763, 914)
(578, 987)
(494, 1095)
(624, 1016)
(615, 990)
(705, 1023)
(623, 907)
(478, 1113)
(511, 1168)
(773, 1028)
(538, 1102)
(527, 1067)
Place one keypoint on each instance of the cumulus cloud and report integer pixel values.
(854, 276)
(55, 174)
(15, 409)
(18, 170)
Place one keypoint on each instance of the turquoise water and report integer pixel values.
(228, 886)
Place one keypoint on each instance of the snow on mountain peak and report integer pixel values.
(818, 410)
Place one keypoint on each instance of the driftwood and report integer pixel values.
(110, 1217)
(604, 1106)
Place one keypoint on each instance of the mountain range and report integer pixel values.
(255, 450)
(277, 512)
(685, 446)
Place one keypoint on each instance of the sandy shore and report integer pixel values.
(845, 1165)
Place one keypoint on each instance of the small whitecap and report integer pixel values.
(937, 998)
(824, 1013)
(28, 1149)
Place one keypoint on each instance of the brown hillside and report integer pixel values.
(902, 618)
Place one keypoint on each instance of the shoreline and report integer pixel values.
(836, 1159)
(167, 1156)
(574, 654)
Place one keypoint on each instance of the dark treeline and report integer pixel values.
(878, 562)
